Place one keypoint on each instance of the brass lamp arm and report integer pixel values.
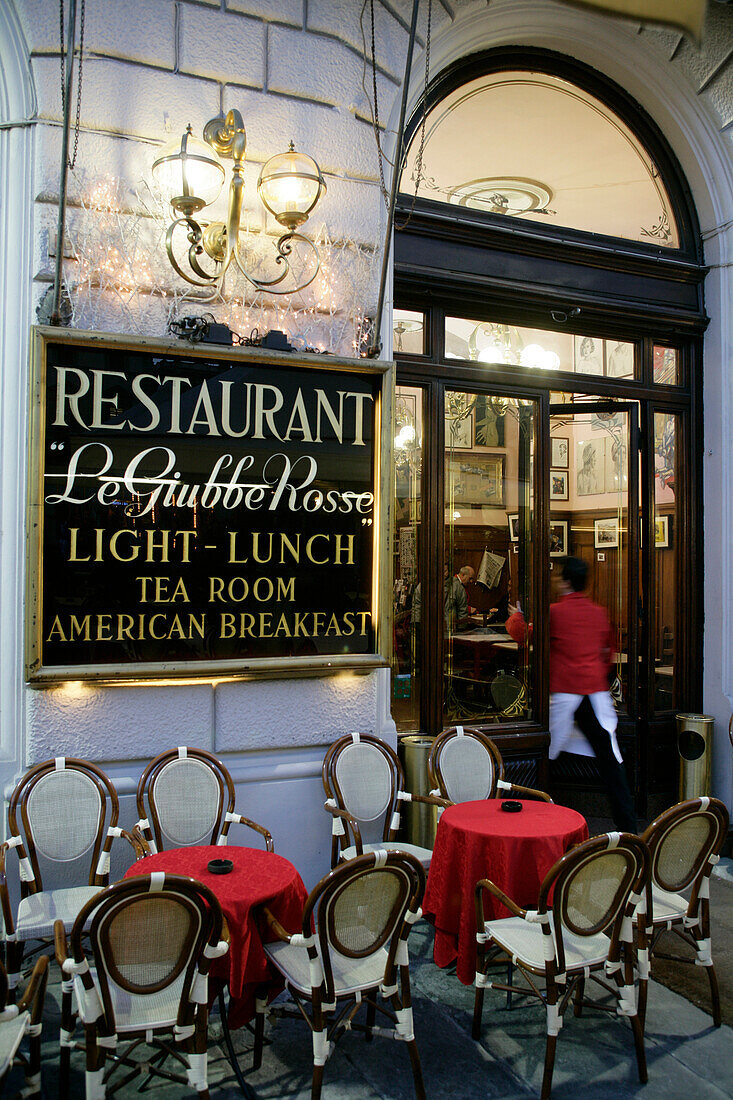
(284, 248)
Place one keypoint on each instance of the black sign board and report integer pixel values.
(195, 511)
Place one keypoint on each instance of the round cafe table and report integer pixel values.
(257, 878)
(478, 840)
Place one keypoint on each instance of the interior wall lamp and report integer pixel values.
(190, 176)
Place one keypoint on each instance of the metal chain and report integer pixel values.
(380, 153)
(62, 54)
(421, 150)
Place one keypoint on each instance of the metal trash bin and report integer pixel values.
(695, 748)
(420, 821)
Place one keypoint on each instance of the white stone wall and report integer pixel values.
(295, 69)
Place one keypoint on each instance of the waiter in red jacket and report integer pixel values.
(582, 715)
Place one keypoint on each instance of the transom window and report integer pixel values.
(532, 146)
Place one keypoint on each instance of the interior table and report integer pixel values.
(257, 878)
(478, 840)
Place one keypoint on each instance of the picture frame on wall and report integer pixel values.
(560, 452)
(488, 424)
(476, 480)
(559, 484)
(606, 532)
(558, 538)
(591, 469)
(513, 522)
(587, 355)
(459, 433)
(661, 532)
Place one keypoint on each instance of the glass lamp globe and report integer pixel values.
(290, 185)
(188, 174)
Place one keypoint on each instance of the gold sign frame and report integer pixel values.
(380, 375)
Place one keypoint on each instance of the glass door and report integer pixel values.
(594, 515)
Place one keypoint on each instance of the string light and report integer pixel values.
(120, 280)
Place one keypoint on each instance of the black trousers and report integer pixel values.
(613, 774)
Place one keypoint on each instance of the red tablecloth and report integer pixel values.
(257, 878)
(480, 840)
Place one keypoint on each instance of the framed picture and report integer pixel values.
(591, 478)
(617, 462)
(587, 355)
(560, 451)
(513, 521)
(559, 484)
(558, 538)
(606, 532)
(459, 432)
(477, 480)
(661, 531)
(619, 360)
(488, 424)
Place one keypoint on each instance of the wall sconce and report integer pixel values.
(190, 175)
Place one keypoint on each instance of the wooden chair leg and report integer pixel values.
(260, 1003)
(549, 1067)
(15, 962)
(643, 994)
(579, 994)
(317, 1082)
(478, 1011)
(714, 995)
(638, 1030)
(371, 1015)
(416, 1070)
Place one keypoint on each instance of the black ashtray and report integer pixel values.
(220, 866)
(509, 805)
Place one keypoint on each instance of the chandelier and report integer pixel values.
(190, 175)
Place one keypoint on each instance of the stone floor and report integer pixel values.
(687, 1057)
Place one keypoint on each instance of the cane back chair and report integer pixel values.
(17, 1021)
(365, 784)
(362, 913)
(587, 932)
(684, 844)
(465, 765)
(61, 811)
(190, 800)
(143, 979)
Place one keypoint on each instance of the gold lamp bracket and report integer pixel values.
(226, 134)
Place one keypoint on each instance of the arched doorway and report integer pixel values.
(548, 328)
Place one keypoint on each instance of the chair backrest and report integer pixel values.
(189, 793)
(595, 888)
(682, 840)
(363, 906)
(363, 775)
(63, 806)
(464, 765)
(148, 936)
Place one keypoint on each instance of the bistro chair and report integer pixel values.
(362, 913)
(465, 765)
(365, 784)
(143, 979)
(17, 1021)
(62, 810)
(587, 932)
(684, 844)
(190, 801)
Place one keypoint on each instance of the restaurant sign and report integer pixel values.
(201, 512)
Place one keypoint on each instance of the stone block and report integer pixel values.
(102, 723)
(222, 47)
(343, 19)
(441, 17)
(290, 713)
(340, 143)
(163, 103)
(137, 30)
(323, 70)
(284, 11)
(40, 23)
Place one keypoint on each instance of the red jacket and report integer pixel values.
(580, 644)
